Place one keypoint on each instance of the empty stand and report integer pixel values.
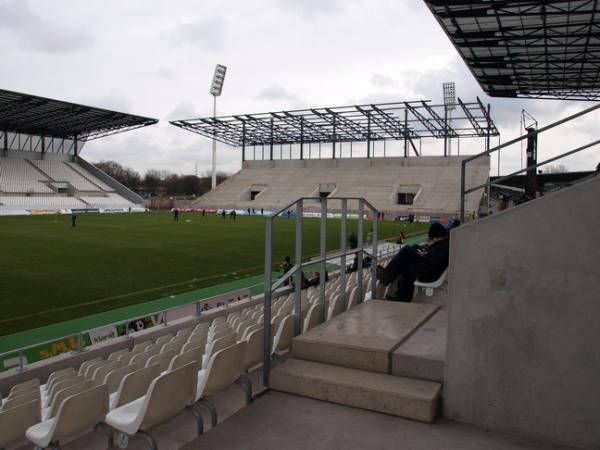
(18, 176)
(434, 180)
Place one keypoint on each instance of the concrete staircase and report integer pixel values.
(381, 356)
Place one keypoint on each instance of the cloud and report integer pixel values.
(183, 110)
(113, 100)
(209, 34)
(37, 33)
(167, 73)
(276, 92)
(383, 81)
(312, 8)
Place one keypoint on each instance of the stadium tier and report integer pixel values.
(427, 185)
(52, 184)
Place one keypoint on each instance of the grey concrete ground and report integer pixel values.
(282, 421)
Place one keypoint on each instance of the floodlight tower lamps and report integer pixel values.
(215, 90)
(449, 90)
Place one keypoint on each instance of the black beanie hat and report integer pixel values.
(437, 230)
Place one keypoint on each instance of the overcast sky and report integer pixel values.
(156, 58)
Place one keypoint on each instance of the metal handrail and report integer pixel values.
(296, 270)
(464, 162)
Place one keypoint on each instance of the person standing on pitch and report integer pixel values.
(175, 215)
(73, 220)
(353, 240)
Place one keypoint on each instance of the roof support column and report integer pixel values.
(243, 141)
(271, 143)
(445, 131)
(333, 141)
(43, 138)
(75, 149)
(5, 151)
(406, 132)
(301, 138)
(368, 135)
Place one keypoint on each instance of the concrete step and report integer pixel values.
(364, 337)
(398, 396)
(423, 355)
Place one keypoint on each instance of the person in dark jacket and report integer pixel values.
(424, 263)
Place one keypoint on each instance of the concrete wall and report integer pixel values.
(524, 309)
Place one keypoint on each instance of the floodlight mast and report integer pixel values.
(449, 90)
(215, 90)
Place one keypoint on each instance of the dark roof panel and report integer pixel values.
(544, 49)
(29, 114)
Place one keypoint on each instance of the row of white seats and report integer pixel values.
(17, 175)
(61, 172)
(42, 202)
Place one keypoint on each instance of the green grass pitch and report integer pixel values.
(52, 272)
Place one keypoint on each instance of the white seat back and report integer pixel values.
(135, 385)
(312, 318)
(15, 421)
(33, 384)
(64, 393)
(224, 367)
(254, 349)
(163, 359)
(284, 335)
(114, 377)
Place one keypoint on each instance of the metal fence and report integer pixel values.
(464, 190)
(295, 273)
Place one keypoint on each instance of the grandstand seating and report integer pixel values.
(230, 347)
(60, 171)
(53, 184)
(18, 176)
(435, 181)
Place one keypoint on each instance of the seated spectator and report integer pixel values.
(285, 266)
(304, 283)
(424, 263)
(316, 279)
(354, 266)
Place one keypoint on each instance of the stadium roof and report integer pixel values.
(542, 49)
(30, 114)
(358, 123)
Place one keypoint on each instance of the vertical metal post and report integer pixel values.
(462, 189)
(368, 135)
(359, 255)
(384, 148)
(333, 138)
(301, 138)
(323, 254)
(214, 146)
(343, 249)
(262, 149)
(271, 142)
(375, 256)
(406, 132)
(164, 316)
(298, 274)
(243, 141)
(43, 142)
(5, 143)
(21, 361)
(445, 131)
(267, 302)
(75, 149)
(198, 309)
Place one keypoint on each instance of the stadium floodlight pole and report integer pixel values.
(449, 90)
(215, 90)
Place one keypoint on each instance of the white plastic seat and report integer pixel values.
(215, 346)
(141, 346)
(284, 335)
(114, 377)
(184, 358)
(114, 356)
(99, 375)
(352, 298)
(15, 421)
(167, 395)
(52, 407)
(19, 398)
(89, 370)
(163, 339)
(312, 318)
(60, 385)
(250, 329)
(76, 415)
(33, 384)
(57, 373)
(335, 307)
(163, 359)
(200, 345)
(134, 385)
(429, 287)
(253, 355)
(223, 368)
